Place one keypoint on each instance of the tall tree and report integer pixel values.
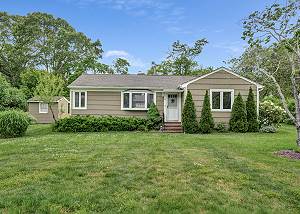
(43, 42)
(238, 119)
(50, 86)
(180, 60)
(206, 121)
(252, 119)
(278, 26)
(120, 66)
(189, 118)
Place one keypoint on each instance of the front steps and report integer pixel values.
(173, 127)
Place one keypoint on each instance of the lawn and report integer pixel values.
(46, 172)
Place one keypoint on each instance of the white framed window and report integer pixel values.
(43, 108)
(221, 99)
(79, 99)
(137, 100)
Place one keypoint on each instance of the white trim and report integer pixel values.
(40, 110)
(221, 99)
(114, 88)
(130, 92)
(218, 70)
(73, 99)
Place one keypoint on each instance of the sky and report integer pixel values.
(143, 31)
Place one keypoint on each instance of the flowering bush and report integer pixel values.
(270, 114)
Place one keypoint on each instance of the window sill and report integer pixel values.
(134, 109)
(221, 110)
(79, 108)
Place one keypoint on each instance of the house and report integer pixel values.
(42, 113)
(131, 95)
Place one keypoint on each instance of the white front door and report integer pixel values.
(172, 108)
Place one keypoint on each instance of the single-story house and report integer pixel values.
(42, 113)
(130, 95)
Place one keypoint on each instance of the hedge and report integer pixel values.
(100, 124)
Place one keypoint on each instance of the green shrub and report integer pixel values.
(270, 114)
(292, 108)
(100, 124)
(221, 127)
(13, 123)
(238, 120)
(268, 129)
(154, 118)
(252, 119)
(189, 119)
(206, 124)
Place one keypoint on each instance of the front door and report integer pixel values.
(172, 107)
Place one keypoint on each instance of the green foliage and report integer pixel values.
(189, 118)
(270, 114)
(13, 123)
(252, 119)
(10, 97)
(206, 124)
(238, 120)
(268, 129)
(221, 127)
(40, 40)
(154, 118)
(100, 124)
(50, 85)
(29, 81)
(180, 60)
(121, 66)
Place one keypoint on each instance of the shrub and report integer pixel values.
(221, 127)
(238, 120)
(270, 114)
(100, 124)
(154, 118)
(268, 129)
(292, 108)
(10, 97)
(252, 120)
(206, 124)
(13, 123)
(189, 119)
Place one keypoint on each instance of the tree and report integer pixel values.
(189, 119)
(41, 41)
(206, 121)
(11, 97)
(180, 60)
(154, 118)
(238, 120)
(278, 26)
(252, 119)
(29, 81)
(120, 66)
(50, 86)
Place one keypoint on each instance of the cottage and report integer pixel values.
(42, 113)
(131, 95)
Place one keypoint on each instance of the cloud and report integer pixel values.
(134, 61)
(166, 12)
(116, 53)
(235, 48)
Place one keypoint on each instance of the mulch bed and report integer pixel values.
(289, 154)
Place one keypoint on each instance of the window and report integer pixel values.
(137, 100)
(221, 99)
(80, 98)
(43, 108)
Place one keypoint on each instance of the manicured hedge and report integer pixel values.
(100, 124)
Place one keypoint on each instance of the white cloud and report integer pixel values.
(164, 12)
(134, 61)
(235, 48)
(116, 53)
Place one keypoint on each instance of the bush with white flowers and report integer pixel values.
(270, 114)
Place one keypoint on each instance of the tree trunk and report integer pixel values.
(53, 116)
(297, 107)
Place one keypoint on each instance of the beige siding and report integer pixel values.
(219, 80)
(109, 103)
(44, 117)
(60, 110)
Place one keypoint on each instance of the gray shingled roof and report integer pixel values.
(130, 81)
(36, 99)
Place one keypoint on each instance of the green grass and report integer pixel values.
(47, 172)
